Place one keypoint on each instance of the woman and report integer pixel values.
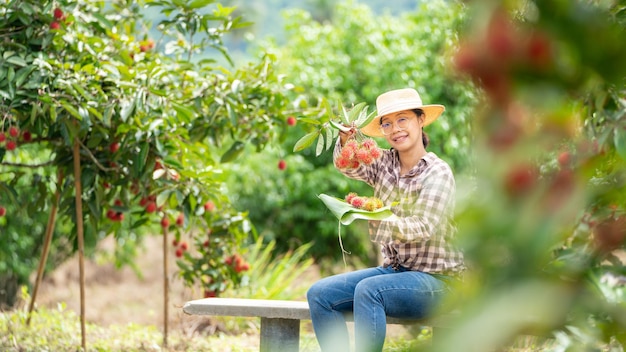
(418, 259)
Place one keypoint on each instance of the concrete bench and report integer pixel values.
(280, 320)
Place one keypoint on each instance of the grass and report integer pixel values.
(59, 330)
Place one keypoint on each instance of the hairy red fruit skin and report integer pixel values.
(151, 207)
(14, 131)
(501, 39)
(180, 220)
(179, 253)
(3, 137)
(115, 215)
(114, 147)
(539, 50)
(27, 136)
(55, 25)
(58, 13)
(291, 121)
(282, 165)
(209, 206)
(3, 211)
(564, 159)
(520, 180)
(165, 223)
(467, 60)
(11, 145)
(184, 246)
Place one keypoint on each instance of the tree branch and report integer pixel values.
(31, 166)
(93, 158)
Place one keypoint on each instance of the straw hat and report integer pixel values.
(400, 100)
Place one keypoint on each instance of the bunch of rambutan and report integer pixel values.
(355, 153)
(362, 202)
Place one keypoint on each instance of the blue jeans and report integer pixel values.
(371, 294)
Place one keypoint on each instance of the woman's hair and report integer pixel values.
(425, 139)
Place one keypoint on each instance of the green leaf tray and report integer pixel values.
(346, 213)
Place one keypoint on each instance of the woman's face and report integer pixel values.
(402, 129)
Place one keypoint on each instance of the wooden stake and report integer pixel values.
(46, 243)
(81, 243)
(166, 288)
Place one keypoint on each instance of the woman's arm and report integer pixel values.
(422, 218)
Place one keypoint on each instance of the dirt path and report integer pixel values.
(119, 296)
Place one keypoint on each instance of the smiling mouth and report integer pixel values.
(395, 139)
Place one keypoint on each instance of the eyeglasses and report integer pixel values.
(387, 127)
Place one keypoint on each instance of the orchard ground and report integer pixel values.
(118, 297)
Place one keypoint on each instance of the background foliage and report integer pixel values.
(153, 122)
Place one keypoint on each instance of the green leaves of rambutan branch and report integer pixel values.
(327, 131)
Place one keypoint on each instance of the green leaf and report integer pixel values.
(163, 197)
(53, 113)
(196, 4)
(127, 109)
(329, 138)
(344, 115)
(619, 139)
(141, 158)
(95, 112)
(16, 60)
(367, 119)
(346, 213)
(103, 20)
(320, 145)
(71, 110)
(305, 141)
(328, 108)
(184, 112)
(233, 152)
(356, 111)
(310, 120)
(82, 92)
(22, 74)
(339, 126)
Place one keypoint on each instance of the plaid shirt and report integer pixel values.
(420, 239)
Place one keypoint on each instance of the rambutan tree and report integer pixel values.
(98, 111)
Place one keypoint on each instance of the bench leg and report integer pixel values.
(279, 334)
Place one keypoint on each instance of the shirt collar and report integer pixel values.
(427, 159)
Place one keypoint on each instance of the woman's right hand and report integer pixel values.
(344, 136)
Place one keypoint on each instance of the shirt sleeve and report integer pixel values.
(424, 216)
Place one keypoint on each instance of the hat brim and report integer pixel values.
(432, 112)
